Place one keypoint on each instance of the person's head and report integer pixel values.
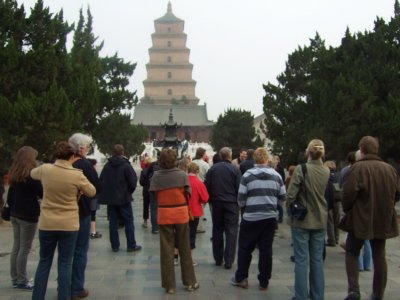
(81, 143)
(368, 145)
(330, 164)
(64, 151)
(250, 153)
(351, 157)
(216, 158)
(118, 150)
(315, 149)
(193, 168)
(200, 153)
(183, 164)
(167, 159)
(243, 154)
(261, 156)
(291, 169)
(225, 153)
(24, 162)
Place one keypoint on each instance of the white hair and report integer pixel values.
(79, 140)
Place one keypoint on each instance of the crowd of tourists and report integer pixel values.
(245, 196)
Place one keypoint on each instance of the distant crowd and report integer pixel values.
(246, 196)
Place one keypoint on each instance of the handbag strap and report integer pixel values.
(304, 171)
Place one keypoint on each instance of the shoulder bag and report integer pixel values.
(298, 211)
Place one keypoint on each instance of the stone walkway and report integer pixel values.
(125, 275)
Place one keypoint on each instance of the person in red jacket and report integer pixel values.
(199, 197)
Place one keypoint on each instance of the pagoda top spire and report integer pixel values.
(169, 16)
(169, 9)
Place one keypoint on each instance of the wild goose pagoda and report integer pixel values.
(169, 87)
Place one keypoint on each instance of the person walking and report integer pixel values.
(222, 182)
(261, 188)
(59, 218)
(118, 181)
(81, 143)
(23, 195)
(307, 186)
(370, 191)
(172, 188)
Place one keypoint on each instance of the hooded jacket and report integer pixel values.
(117, 182)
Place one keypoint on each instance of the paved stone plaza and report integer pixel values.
(125, 275)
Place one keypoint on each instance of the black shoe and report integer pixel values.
(115, 249)
(154, 231)
(353, 296)
(134, 249)
(228, 266)
(218, 263)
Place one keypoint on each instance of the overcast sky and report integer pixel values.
(236, 46)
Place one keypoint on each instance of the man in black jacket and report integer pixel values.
(118, 181)
(222, 182)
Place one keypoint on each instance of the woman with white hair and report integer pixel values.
(81, 144)
(307, 187)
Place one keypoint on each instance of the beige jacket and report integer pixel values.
(316, 180)
(61, 186)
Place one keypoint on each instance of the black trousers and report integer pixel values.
(225, 217)
(353, 246)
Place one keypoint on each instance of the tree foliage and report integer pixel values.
(234, 129)
(338, 94)
(48, 92)
(117, 129)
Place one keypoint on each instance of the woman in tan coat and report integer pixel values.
(59, 218)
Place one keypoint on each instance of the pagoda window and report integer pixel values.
(169, 59)
(169, 74)
(169, 29)
(169, 43)
(169, 92)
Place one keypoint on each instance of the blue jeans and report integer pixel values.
(308, 246)
(80, 256)
(365, 258)
(251, 234)
(48, 242)
(24, 233)
(125, 213)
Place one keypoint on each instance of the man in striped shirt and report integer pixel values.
(260, 190)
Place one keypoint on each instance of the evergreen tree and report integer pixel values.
(338, 94)
(234, 129)
(116, 128)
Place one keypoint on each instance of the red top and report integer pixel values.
(199, 195)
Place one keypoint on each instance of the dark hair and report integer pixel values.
(351, 157)
(24, 162)
(199, 153)
(118, 150)
(92, 161)
(369, 145)
(64, 151)
(250, 153)
(167, 158)
(216, 158)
